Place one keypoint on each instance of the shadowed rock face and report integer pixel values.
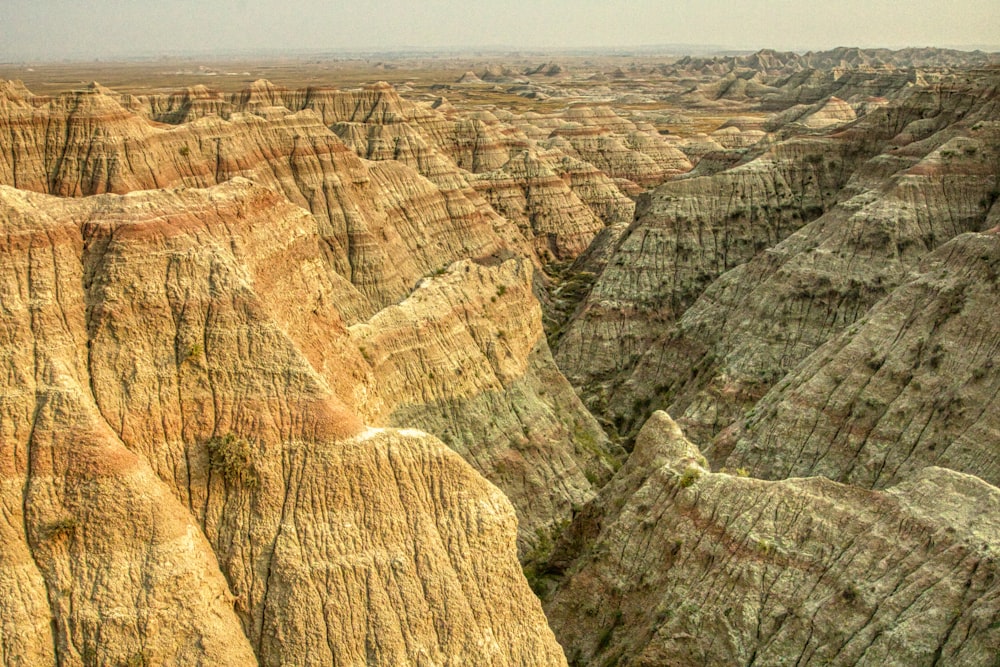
(684, 566)
(186, 476)
(686, 234)
(464, 356)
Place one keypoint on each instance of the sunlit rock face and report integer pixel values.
(188, 466)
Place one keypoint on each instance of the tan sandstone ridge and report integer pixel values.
(384, 226)
(465, 357)
(388, 227)
(688, 232)
(757, 322)
(185, 486)
(447, 147)
(682, 566)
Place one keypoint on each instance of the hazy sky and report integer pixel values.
(37, 29)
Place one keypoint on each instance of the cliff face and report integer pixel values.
(702, 306)
(528, 190)
(686, 234)
(682, 566)
(445, 186)
(911, 384)
(170, 440)
(384, 225)
(465, 357)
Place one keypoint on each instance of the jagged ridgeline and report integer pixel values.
(344, 377)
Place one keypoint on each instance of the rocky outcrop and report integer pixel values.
(912, 384)
(381, 227)
(681, 565)
(637, 158)
(384, 226)
(187, 479)
(469, 77)
(825, 114)
(279, 384)
(658, 316)
(528, 191)
(687, 233)
(771, 61)
(464, 357)
(812, 286)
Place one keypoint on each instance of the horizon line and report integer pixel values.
(658, 49)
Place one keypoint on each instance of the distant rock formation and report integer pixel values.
(469, 77)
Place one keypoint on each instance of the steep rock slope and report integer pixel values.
(530, 192)
(760, 320)
(685, 566)
(913, 383)
(464, 357)
(665, 334)
(384, 225)
(381, 225)
(557, 201)
(170, 445)
(687, 233)
(636, 156)
(387, 226)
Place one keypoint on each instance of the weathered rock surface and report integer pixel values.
(912, 384)
(529, 191)
(183, 486)
(384, 226)
(686, 234)
(684, 566)
(215, 376)
(710, 348)
(464, 357)
(636, 158)
(828, 113)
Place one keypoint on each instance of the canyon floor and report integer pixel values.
(521, 360)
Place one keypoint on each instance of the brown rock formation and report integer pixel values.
(464, 357)
(226, 316)
(891, 210)
(688, 232)
(384, 226)
(636, 157)
(684, 566)
(812, 286)
(169, 434)
(528, 191)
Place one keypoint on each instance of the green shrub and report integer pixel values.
(193, 353)
(233, 458)
(604, 639)
(690, 475)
